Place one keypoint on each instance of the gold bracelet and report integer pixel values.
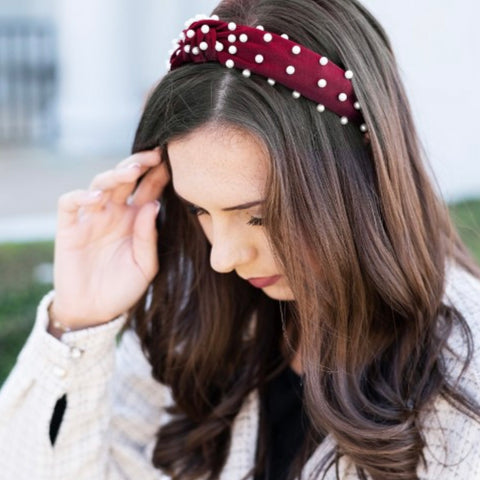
(57, 324)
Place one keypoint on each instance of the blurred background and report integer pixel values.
(74, 76)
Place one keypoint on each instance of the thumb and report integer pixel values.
(145, 239)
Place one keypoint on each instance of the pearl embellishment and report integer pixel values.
(290, 70)
(258, 58)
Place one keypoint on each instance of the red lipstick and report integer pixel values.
(262, 282)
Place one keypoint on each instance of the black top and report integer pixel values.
(286, 423)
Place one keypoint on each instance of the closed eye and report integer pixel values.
(197, 211)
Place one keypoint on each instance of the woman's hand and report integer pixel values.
(106, 242)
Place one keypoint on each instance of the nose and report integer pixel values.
(231, 250)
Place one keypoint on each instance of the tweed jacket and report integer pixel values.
(115, 407)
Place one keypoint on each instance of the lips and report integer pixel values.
(262, 282)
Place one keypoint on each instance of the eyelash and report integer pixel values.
(254, 221)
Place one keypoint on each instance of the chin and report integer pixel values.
(279, 293)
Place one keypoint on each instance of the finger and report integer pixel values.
(69, 204)
(151, 186)
(148, 158)
(113, 178)
(145, 240)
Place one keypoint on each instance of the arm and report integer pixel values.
(114, 407)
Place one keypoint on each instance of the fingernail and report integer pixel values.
(95, 193)
(134, 165)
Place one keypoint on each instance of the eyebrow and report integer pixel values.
(242, 206)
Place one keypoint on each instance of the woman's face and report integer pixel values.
(221, 174)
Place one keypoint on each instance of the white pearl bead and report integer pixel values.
(195, 50)
(203, 46)
(296, 49)
(290, 69)
(243, 38)
(296, 94)
(205, 29)
(342, 97)
(232, 38)
(246, 73)
(322, 83)
(320, 108)
(219, 46)
(232, 49)
(363, 128)
(344, 120)
(271, 81)
(215, 17)
(268, 37)
(232, 26)
(323, 61)
(190, 33)
(259, 58)
(186, 48)
(178, 52)
(348, 74)
(356, 106)
(260, 27)
(229, 63)
(284, 35)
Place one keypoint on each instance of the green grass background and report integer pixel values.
(20, 292)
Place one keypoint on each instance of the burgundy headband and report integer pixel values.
(253, 50)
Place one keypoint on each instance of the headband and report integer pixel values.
(275, 57)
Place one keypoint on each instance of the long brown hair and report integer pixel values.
(360, 231)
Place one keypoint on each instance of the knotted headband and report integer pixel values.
(275, 57)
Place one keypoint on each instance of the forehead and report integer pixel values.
(218, 158)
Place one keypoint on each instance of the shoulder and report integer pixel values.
(462, 291)
(451, 436)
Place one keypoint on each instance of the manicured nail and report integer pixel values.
(134, 165)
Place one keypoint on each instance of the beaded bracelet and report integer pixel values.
(56, 323)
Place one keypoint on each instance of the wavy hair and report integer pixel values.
(364, 240)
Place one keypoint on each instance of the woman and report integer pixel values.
(301, 307)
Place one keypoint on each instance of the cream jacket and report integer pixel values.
(114, 408)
